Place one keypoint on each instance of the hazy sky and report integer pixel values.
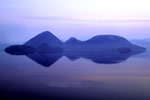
(20, 20)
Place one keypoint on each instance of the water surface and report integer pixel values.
(81, 79)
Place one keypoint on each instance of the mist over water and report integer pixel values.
(18, 33)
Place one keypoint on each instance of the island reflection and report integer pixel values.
(48, 59)
(46, 49)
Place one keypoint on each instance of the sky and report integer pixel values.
(21, 20)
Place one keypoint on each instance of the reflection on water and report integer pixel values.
(100, 57)
(81, 79)
(47, 59)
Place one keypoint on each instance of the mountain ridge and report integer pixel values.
(46, 41)
(42, 38)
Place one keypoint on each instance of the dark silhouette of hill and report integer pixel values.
(44, 38)
(19, 50)
(102, 43)
(25, 49)
(46, 49)
(72, 43)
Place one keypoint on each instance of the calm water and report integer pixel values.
(81, 79)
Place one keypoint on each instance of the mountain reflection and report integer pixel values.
(100, 57)
(45, 59)
(46, 49)
(48, 59)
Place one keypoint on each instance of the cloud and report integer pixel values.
(85, 19)
(48, 18)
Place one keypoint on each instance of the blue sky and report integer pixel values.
(23, 19)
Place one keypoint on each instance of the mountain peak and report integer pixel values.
(44, 37)
(46, 33)
(109, 39)
(72, 40)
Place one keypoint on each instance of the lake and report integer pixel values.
(82, 79)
